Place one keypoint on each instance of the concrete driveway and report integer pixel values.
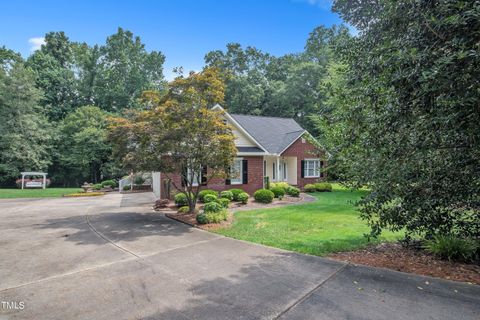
(114, 258)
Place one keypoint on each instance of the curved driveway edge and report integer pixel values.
(114, 258)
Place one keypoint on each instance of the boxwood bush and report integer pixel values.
(181, 199)
(210, 198)
(110, 183)
(212, 217)
(224, 202)
(309, 187)
(292, 191)
(323, 187)
(264, 196)
(202, 218)
(282, 185)
(98, 186)
(235, 193)
(204, 192)
(212, 207)
(184, 209)
(126, 188)
(243, 197)
(217, 217)
(226, 194)
(279, 192)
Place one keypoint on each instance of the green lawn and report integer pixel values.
(327, 225)
(36, 193)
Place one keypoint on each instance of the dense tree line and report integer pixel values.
(55, 104)
(288, 86)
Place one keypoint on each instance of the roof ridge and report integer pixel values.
(252, 115)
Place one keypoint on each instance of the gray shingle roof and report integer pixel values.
(274, 134)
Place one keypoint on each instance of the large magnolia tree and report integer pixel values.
(179, 133)
(408, 119)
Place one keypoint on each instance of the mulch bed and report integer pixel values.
(406, 259)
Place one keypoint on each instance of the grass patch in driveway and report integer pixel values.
(330, 224)
(36, 193)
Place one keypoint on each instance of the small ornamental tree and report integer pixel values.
(179, 134)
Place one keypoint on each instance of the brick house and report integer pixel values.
(277, 148)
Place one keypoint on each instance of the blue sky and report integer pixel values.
(184, 30)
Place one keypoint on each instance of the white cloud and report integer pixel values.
(324, 4)
(36, 43)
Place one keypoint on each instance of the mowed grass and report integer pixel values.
(36, 193)
(330, 224)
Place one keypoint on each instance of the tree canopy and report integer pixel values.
(408, 120)
(180, 133)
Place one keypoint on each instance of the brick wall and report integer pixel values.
(302, 149)
(255, 178)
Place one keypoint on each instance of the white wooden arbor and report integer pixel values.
(33, 173)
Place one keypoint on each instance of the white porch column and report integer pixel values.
(44, 181)
(23, 180)
(278, 170)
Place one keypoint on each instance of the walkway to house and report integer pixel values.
(112, 257)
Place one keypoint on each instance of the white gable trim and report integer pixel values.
(301, 134)
(238, 126)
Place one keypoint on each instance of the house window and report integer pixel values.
(236, 171)
(312, 168)
(264, 167)
(195, 176)
(274, 174)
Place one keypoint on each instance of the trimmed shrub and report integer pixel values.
(243, 197)
(272, 185)
(323, 187)
(110, 183)
(184, 209)
(210, 198)
(452, 248)
(139, 180)
(279, 192)
(292, 191)
(181, 199)
(202, 218)
(98, 186)
(224, 202)
(126, 188)
(217, 217)
(204, 192)
(226, 194)
(212, 207)
(309, 188)
(264, 196)
(235, 193)
(282, 185)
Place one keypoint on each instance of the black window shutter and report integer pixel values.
(321, 168)
(245, 171)
(302, 169)
(227, 181)
(204, 175)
